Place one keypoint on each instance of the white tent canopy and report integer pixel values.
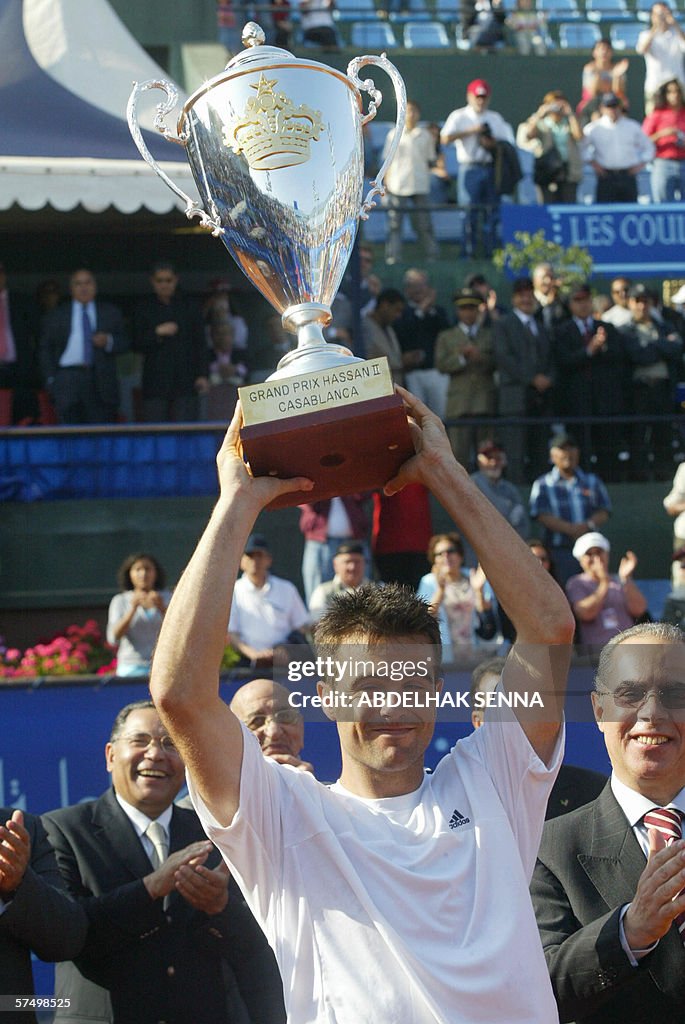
(67, 68)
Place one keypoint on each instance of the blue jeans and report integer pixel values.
(668, 181)
(476, 193)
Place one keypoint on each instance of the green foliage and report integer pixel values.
(571, 265)
(230, 658)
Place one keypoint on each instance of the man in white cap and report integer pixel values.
(603, 605)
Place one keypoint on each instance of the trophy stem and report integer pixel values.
(294, 318)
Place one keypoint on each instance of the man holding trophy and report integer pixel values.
(393, 895)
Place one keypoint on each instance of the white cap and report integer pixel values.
(590, 540)
(679, 298)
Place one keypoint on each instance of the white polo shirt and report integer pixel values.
(408, 910)
(264, 616)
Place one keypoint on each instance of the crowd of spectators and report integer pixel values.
(600, 351)
(151, 916)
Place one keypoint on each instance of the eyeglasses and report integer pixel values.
(143, 740)
(670, 697)
(288, 716)
(446, 551)
(619, 291)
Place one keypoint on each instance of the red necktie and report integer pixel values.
(7, 350)
(668, 821)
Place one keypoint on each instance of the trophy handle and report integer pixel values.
(367, 85)
(192, 209)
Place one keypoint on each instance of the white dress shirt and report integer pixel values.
(617, 145)
(75, 354)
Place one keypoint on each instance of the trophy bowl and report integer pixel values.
(276, 150)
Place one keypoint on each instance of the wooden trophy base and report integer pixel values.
(351, 448)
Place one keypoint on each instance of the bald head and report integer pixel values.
(264, 708)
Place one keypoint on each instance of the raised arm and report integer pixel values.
(533, 601)
(184, 682)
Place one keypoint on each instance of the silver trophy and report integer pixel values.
(275, 146)
(276, 149)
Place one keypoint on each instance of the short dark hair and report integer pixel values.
(163, 265)
(376, 612)
(660, 630)
(122, 717)
(453, 538)
(124, 570)
(494, 666)
(390, 295)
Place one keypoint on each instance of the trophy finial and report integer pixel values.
(253, 35)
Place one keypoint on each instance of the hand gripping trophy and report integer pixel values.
(275, 146)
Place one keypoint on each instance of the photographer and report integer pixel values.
(475, 131)
(553, 135)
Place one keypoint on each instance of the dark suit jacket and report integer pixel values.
(573, 787)
(40, 918)
(518, 358)
(54, 338)
(667, 348)
(588, 868)
(158, 964)
(24, 325)
(589, 385)
(421, 332)
(171, 365)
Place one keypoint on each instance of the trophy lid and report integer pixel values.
(256, 51)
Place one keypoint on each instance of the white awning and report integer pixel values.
(65, 183)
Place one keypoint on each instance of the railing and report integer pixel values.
(134, 460)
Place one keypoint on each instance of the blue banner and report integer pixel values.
(622, 238)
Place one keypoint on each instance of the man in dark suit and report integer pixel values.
(523, 360)
(591, 363)
(79, 344)
(19, 369)
(608, 885)
(654, 353)
(164, 940)
(169, 332)
(36, 915)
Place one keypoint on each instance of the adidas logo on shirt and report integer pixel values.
(458, 819)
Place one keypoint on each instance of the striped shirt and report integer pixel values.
(574, 500)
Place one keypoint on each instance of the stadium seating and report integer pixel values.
(579, 35)
(559, 10)
(607, 10)
(624, 35)
(372, 35)
(426, 35)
